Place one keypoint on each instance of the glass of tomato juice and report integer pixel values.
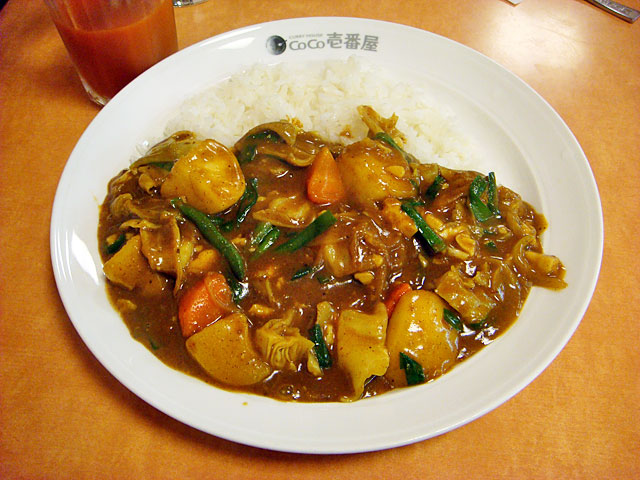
(113, 41)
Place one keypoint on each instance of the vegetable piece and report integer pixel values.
(116, 245)
(324, 184)
(432, 192)
(360, 341)
(247, 154)
(473, 304)
(452, 319)
(288, 211)
(370, 172)
(412, 369)
(432, 238)
(160, 244)
(304, 271)
(320, 349)
(481, 211)
(207, 301)
(269, 239)
(225, 351)
(418, 330)
(130, 269)
(386, 138)
(165, 153)
(247, 200)
(492, 194)
(239, 289)
(261, 231)
(491, 245)
(208, 177)
(281, 343)
(399, 220)
(214, 237)
(316, 228)
(395, 293)
(163, 165)
(541, 269)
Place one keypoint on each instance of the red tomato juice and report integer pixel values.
(113, 45)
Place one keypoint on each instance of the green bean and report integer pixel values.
(320, 348)
(413, 370)
(210, 231)
(432, 238)
(239, 290)
(315, 228)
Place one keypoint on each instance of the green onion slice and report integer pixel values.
(304, 271)
(434, 188)
(432, 238)
(452, 319)
(412, 370)
(492, 194)
(247, 200)
(247, 154)
(386, 138)
(268, 240)
(478, 208)
(117, 244)
(320, 348)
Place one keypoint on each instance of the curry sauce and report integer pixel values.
(299, 269)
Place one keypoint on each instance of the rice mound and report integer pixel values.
(324, 96)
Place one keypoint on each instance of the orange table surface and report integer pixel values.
(62, 415)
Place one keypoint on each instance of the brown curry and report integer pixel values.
(299, 269)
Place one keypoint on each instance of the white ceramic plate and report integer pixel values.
(531, 150)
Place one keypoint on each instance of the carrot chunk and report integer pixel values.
(207, 301)
(395, 293)
(324, 184)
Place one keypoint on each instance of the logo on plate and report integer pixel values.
(276, 45)
(319, 41)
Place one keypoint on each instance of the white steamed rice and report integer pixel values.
(324, 97)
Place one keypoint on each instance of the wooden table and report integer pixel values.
(62, 415)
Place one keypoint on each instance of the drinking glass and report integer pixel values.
(111, 42)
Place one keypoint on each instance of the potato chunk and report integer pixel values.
(361, 345)
(225, 351)
(364, 167)
(209, 177)
(417, 329)
(129, 269)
